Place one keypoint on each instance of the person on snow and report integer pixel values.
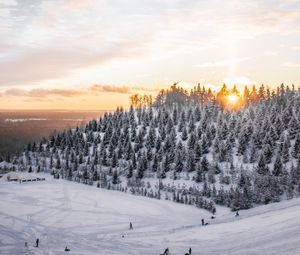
(37, 242)
(202, 220)
(130, 226)
(237, 214)
(166, 252)
(67, 249)
(190, 251)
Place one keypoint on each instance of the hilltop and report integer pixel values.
(191, 148)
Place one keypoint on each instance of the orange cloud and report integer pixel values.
(91, 90)
(108, 88)
(122, 89)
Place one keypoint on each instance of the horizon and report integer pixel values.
(239, 89)
(53, 110)
(94, 54)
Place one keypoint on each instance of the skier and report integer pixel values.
(166, 252)
(130, 226)
(237, 214)
(202, 222)
(214, 210)
(37, 242)
(190, 251)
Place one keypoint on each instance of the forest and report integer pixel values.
(200, 148)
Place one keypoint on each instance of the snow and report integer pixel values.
(92, 221)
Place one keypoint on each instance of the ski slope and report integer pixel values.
(92, 221)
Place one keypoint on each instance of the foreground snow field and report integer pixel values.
(92, 221)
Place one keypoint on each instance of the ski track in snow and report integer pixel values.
(92, 221)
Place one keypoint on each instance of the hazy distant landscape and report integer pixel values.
(17, 128)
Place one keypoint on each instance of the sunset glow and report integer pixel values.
(232, 99)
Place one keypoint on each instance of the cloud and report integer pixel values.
(57, 43)
(89, 91)
(56, 39)
(221, 63)
(35, 65)
(17, 92)
(213, 87)
(122, 89)
(107, 88)
(55, 92)
(8, 2)
(291, 64)
(239, 81)
(271, 53)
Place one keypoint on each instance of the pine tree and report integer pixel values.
(285, 152)
(198, 152)
(296, 148)
(155, 164)
(178, 162)
(222, 152)
(114, 160)
(184, 135)
(191, 141)
(191, 164)
(58, 164)
(278, 167)
(104, 158)
(191, 124)
(204, 144)
(261, 167)
(204, 164)
(268, 153)
(115, 177)
(294, 127)
(199, 173)
(130, 171)
(140, 171)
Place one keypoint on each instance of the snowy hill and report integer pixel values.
(92, 221)
(185, 150)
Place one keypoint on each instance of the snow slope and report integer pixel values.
(92, 221)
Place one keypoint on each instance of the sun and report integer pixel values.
(232, 99)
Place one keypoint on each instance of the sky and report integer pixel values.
(84, 54)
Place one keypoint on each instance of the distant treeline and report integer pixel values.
(200, 95)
